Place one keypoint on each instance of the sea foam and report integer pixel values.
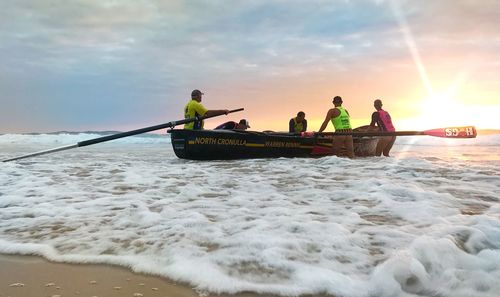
(425, 222)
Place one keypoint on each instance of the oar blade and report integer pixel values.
(453, 132)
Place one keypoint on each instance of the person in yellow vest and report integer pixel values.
(298, 124)
(341, 121)
(195, 109)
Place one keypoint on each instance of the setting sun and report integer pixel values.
(443, 111)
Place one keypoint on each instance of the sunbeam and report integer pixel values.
(412, 46)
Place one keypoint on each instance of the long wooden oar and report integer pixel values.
(118, 135)
(450, 132)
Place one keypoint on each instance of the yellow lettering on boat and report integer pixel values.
(274, 143)
(205, 140)
(243, 142)
(282, 144)
(229, 141)
(218, 141)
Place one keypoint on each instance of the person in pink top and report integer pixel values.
(382, 119)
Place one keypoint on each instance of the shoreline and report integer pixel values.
(30, 276)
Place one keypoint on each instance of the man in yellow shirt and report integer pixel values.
(195, 109)
(298, 124)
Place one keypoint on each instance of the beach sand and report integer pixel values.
(31, 276)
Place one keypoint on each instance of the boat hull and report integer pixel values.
(234, 144)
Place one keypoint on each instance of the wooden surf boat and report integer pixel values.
(239, 144)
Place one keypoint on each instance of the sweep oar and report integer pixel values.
(118, 135)
(450, 132)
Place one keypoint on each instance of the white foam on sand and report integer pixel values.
(425, 222)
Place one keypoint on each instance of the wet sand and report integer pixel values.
(31, 276)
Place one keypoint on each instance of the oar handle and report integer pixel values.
(236, 110)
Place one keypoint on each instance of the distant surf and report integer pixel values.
(63, 138)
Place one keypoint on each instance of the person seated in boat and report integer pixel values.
(382, 120)
(241, 125)
(340, 119)
(194, 109)
(298, 124)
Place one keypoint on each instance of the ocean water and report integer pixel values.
(425, 222)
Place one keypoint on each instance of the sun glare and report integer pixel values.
(440, 111)
(443, 109)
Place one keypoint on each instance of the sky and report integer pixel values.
(85, 65)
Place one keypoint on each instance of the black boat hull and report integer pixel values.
(235, 144)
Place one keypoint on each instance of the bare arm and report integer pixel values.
(374, 119)
(328, 117)
(215, 112)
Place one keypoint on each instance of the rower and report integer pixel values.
(382, 119)
(339, 116)
(194, 109)
(298, 124)
(241, 125)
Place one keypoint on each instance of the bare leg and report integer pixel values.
(337, 144)
(389, 145)
(382, 142)
(349, 145)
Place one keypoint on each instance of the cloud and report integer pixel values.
(132, 55)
